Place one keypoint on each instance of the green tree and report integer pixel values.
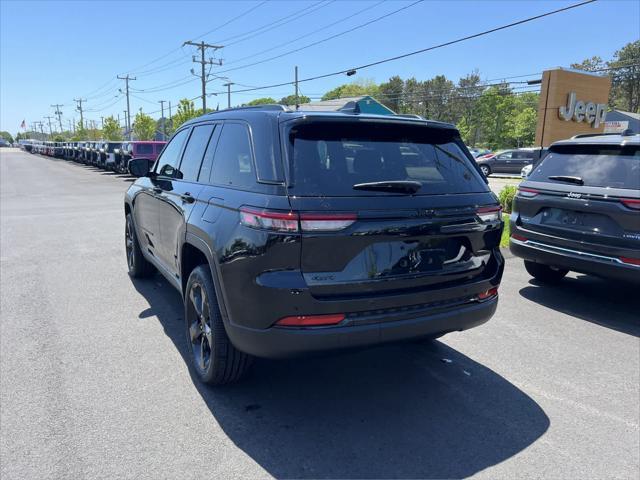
(590, 64)
(7, 136)
(291, 100)
(81, 132)
(144, 127)
(186, 111)
(625, 78)
(262, 101)
(111, 129)
(355, 89)
(390, 93)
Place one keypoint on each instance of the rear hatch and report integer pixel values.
(587, 194)
(388, 207)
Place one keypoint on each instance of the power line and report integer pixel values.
(423, 50)
(237, 17)
(326, 39)
(308, 34)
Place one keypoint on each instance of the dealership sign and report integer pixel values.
(616, 126)
(581, 111)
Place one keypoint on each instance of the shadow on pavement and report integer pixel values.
(397, 411)
(607, 303)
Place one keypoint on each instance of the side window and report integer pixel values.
(168, 161)
(233, 162)
(505, 155)
(193, 153)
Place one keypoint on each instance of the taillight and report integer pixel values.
(313, 222)
(310, 320)
(295, 222)
(520, 238)
(630, 261)
(489, 214)
(631, 203)
(492, 292)
(269, 220)
(527, 192)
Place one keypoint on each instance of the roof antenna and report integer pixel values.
(296, 84)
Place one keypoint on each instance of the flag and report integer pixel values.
(23, 125)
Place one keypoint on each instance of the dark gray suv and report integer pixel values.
(579, 210)
(290, 233)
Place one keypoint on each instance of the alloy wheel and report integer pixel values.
(200, 333)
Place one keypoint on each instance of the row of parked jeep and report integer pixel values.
(113, 156)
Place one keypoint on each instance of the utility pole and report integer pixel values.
(79, 108)
(164, 130)
(58, 113)
(203, 76)
(40, 124)
(228, 85)
(48, 117)
(126, 83)
(296, 84)
(102, 122)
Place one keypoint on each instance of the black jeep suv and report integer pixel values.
(295, 232)
(580, 210)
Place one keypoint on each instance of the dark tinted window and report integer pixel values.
(168, 161)
(233, 161)
(144, 149)
(159, 147)
(597, 166)
(193, 153)
(523, 154)
(328, 158)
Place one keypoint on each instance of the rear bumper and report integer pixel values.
(280, 342)
(574, 260)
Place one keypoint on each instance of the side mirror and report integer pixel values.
(140, 167)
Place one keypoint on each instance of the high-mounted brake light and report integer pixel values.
(489, 214)
(631, 203)
(527, 192)
(630, 261)
(310, 320)
(282, 221)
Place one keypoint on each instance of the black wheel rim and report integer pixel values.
(199, 323)
(128, 240)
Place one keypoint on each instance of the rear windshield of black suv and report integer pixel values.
(330, 157)
(591, 165)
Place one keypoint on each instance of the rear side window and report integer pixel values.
(233, 160)
(193, 153)
(329, 158)
(144, 149)
(592, 166)
(168, 161)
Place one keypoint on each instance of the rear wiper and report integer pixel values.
(567, 178)
(400, 186)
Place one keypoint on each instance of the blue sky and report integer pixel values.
(52, 52)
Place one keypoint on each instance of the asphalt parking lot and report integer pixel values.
(94, 382)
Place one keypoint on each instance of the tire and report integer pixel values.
(139, 267)
(213, 356)
(486, 170)
(545, 273)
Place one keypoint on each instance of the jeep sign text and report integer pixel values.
(593, 113)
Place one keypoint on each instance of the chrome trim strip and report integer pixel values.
(553, 249)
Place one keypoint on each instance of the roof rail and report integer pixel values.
(410, 115)
(586, 135)
(269, 107)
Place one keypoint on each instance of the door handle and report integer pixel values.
(186, 197)
(157, 190)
